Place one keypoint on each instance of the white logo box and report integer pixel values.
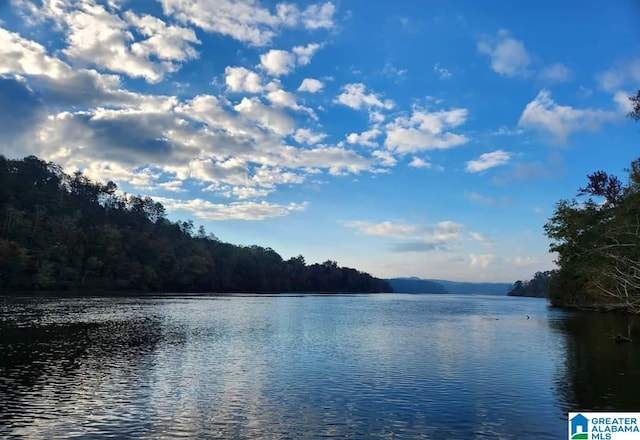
(604, 425)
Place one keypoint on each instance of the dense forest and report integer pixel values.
(535, 287)
(597, 238)
(61, 232)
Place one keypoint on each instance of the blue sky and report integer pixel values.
(403, 138)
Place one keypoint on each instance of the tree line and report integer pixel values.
(596, 236)
(535, 287)
(62, 232)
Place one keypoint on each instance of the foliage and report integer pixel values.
(66, 232)
(598, 244)
(536, 287)
(635, 102)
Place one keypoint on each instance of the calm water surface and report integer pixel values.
(365, 366)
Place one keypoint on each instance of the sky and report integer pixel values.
(403, 138)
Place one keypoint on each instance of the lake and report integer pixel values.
(308, 366)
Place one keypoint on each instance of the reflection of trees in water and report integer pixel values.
(599, 374)
(45, 363)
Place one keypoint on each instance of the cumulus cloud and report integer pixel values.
(305, 53)
(560, 121)
(366, 138)
(207, 210)
(97, 37)
(267, 117)
(165, 42)
(249, 22)
(306, 136)
(136, 45)
(84, 118)
(311, 85)
(283, 99)
(425, 130)
(386, 159)
(240, 79)
(319, 16)
(417, 162)
(488, 160)
(508, 56)
(56, 81)
(355, 96)
(277, 62)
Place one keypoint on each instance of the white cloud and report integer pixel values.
(311, 85)
(425, 131)
(508, 56)
(366, 138)
(248, 21)
(277, 62)
(305, 53)
(481, 260)
(622, 100)
(232, 171)
(306, 136)
(488, 160)
(246, 192)
(627, 73)
(319, 16)
(557, 73)
(19, 55)
(206, 210)
(481, 239)
(417, 162)
(172, 186)
(282, 99)
(267, 117)
(413, 238)
(506, 131)
(337, 160)
(355, 96)
(386, 158)
(442, 72)
(560, 121)
(97, 37)
(385, 229)
(271, 176)
(240, 79)
(166, 42)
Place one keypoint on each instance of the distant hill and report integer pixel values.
(420, 285)
(466, 288)
(416, 285)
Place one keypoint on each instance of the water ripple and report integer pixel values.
(388, 367)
